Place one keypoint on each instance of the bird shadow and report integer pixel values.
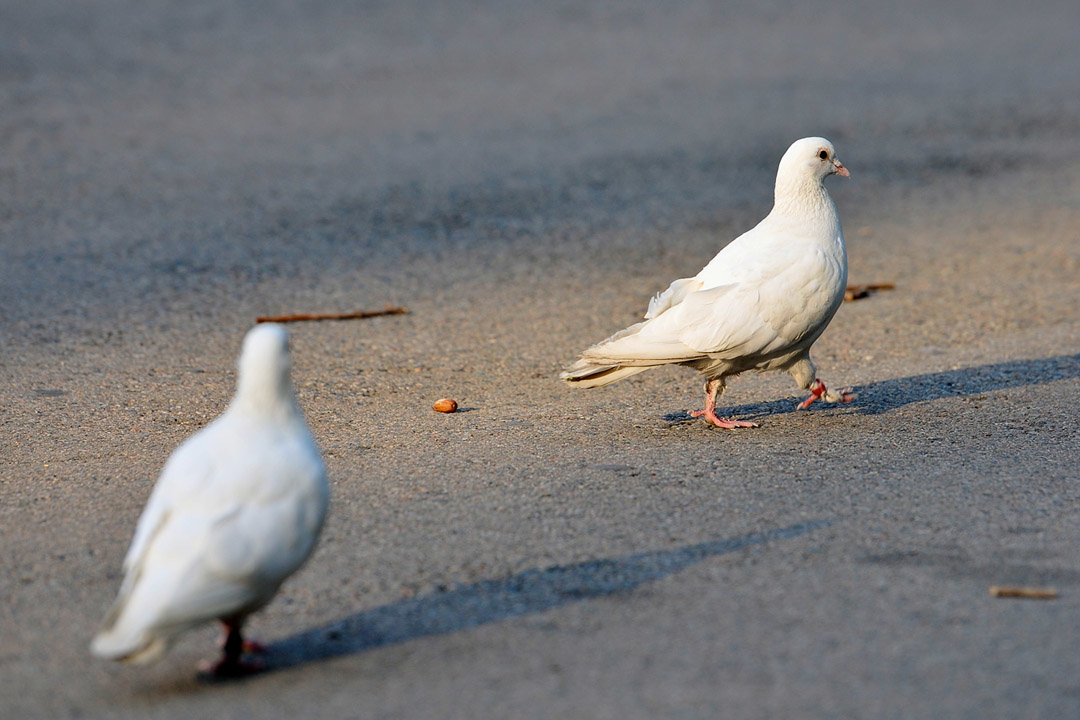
(487, 601)
(880, 397)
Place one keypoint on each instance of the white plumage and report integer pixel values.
(237, 509)
(758, 305)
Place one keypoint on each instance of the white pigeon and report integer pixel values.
(237, 509)
(758, 305)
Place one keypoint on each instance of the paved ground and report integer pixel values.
(523, 176)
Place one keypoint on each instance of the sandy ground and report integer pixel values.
(523, 176)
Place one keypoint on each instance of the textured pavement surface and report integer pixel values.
(523, 177)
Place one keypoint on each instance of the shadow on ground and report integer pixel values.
(881, 397)
(488, 601)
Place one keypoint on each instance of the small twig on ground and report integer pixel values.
(1033, 593)
(359, 314)
(857, 292)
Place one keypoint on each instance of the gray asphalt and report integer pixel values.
(523, 177)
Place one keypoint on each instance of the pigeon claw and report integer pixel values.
(818, 391)
(845, 395)
(726, 423)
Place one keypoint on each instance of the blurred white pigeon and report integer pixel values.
(237, 509)
(758, 305)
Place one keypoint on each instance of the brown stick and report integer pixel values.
(857, 292)
(359, 314)
(1023, 592)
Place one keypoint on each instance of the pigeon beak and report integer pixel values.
(840, 169)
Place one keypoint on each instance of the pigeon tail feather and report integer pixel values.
(585, 374)
(112, 644)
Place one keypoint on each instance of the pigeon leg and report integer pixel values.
(232, 664)
(248, 646)
(819, 391)
(713, 387)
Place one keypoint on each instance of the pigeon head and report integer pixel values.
(803, 168)
(812, 157)
(265, 365)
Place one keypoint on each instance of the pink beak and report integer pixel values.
(840, 169)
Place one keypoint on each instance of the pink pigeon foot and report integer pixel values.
(713, 387)
(726, 423)
(818, 390)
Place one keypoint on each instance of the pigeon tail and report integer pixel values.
(584, 374)
(112, 644)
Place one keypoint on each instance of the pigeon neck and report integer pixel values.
(268, 394)
(802, 197)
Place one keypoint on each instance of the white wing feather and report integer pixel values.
(744, 302)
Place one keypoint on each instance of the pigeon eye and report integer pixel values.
(823, 154)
